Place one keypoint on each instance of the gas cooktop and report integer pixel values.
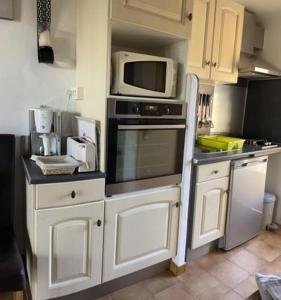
(260, 144)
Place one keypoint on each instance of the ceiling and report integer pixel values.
(264, 9)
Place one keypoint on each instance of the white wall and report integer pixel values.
(24, 83)
(272, 54)
(272, 42)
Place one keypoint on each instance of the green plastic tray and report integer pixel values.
(221, 142)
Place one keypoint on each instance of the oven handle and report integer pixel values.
(138, 127)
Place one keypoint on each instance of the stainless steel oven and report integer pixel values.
(145, 144)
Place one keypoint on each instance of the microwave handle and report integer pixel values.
(139, 127)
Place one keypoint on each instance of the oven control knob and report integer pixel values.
(136, 109)
(167, 110)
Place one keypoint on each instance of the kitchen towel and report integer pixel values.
(269, 286)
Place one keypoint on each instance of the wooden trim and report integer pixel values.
(176, 16)
(18, 295)
(177, 270)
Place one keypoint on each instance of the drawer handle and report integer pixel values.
(73, 194)
(215, 172)
(99, 223)
(189, 17)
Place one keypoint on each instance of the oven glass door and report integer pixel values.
(142, 151)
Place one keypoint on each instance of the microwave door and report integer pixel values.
(151, 79)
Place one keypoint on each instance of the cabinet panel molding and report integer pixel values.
(69, 260)
(138, 241)
(229, 23)
(209, 211)
(168, 9)
(212, 211)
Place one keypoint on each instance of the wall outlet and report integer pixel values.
(76, 93)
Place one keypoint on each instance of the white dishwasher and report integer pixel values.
(245, 203)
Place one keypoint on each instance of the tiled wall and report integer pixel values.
(228, 108)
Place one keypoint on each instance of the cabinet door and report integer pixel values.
(140, 231)
(227, 41)
(209, 211)
(69, 249)
(201, 43)
(167, 16)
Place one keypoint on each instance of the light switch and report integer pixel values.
(77, 93)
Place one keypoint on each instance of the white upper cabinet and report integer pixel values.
(68, 249)
(214, 49)
(200, 45)
(140, 231)
(172, 17)
(227, 41)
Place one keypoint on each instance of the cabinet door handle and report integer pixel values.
(99, 222)
(73, 194)
(189, 17)
(214, 64)
(207, 62)
(226, 192)
(177, 204)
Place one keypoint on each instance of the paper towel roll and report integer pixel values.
(44, 39)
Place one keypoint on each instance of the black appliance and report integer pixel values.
(260, 144)
(263, 110)
(145, 144)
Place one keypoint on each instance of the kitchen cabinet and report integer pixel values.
(172, 17)
(214, 49)
(140, 231)
(200, 45)
(69, 249)
(227, 41)
(210, 204)
(65, 253)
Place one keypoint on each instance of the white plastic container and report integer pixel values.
(43, 117)
(57, 165)
(268, 208)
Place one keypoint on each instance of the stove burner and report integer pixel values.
(262, 144)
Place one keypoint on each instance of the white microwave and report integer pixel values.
(136, 74)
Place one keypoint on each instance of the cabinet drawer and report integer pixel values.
(213, 171)
(69, 193)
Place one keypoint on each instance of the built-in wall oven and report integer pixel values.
(145, 144)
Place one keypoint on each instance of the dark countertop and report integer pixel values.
(35, 176)
(246, 152)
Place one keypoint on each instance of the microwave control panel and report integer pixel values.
(149, 109)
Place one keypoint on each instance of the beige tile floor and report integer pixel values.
(218, 275)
